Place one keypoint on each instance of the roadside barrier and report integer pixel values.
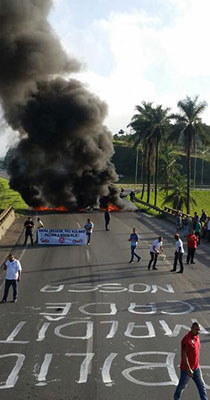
(148, 205)
(7, 217)
(173, 211)
(167, 212)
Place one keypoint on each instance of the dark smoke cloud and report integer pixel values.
(63, 157)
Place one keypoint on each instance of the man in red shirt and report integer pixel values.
(190, 353)
(191, 247)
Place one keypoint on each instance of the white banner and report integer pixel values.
(62, 236)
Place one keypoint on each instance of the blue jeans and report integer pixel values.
(183, 381)
(88, 237)
(178, 256)
(186, 230)
(133, 253)
(8, 283)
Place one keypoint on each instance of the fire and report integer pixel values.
(42, 208)
(111, 207)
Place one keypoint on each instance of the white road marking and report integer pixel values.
(44, 370)
(88, 255)
(90, 350)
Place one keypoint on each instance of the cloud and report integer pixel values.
(185, 42)
(130, 58)
(150, 59)
(158, 55)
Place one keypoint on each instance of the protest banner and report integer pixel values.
(62, 236)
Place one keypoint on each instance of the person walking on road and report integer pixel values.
(132, 196)
(134, 239)
(178, 221)
(191, 247)
(29, 225)
(190, 354)
(107, 218)
(89, 229)
(186, 225)
(156, 248)
(178, 254)
(39, 225)
(198, 231)
(203, 217)
(195, 219)
(13, 275)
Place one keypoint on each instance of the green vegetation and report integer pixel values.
(10, 197)
(125, 156)
(161, 141)
(202, 198)
(189, 124)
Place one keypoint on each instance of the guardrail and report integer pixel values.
(144, 203)
(173, 211)
(7, 217)
(166, 211)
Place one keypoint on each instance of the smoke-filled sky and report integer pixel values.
(135, 50)
(64, 149)
(153, 50)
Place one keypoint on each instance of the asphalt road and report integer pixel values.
(89, 325)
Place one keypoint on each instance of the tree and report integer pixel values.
(178, 197)
(141, 125)
(160, 124)
(149, 126)
(169, 167)
(188, 123)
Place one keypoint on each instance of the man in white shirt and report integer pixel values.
(178, 254)
(39, 225)
(89, 229)
(13, 275)
(155, 249)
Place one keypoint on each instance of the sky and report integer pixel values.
(134, 51)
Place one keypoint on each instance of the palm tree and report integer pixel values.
(178, 197)
(141, 125)
(160, 125)
(188, 123)
(149, 125)
(169, 167)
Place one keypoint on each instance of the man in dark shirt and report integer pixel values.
(107, 219)
(29, 225)
(190, 353)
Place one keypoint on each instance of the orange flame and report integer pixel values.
(43, 208)
(111, 207)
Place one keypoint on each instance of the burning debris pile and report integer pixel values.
(63, 156)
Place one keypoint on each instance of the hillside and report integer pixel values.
(124, 160)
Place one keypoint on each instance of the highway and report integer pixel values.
(89, 325)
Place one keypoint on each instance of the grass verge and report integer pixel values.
(10, 197)
(202, 198)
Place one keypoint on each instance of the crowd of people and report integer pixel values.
(193, 229)
(200, 225)
(190, 344)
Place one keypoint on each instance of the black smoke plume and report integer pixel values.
(63, 156)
